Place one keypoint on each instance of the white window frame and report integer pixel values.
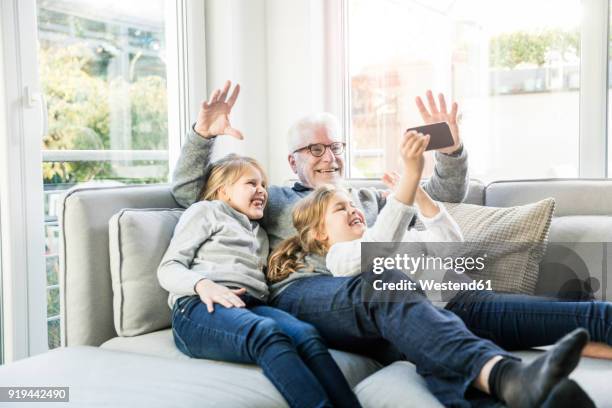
(593, 115)
(21, 190)
(593, 155)
(186, 69)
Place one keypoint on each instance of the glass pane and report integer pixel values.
(103, 72)
(609, 170)
(515, 75)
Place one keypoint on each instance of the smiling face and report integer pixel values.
(315, 171)
(248, 194)
(343, 221)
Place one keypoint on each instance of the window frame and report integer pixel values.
(21, 205)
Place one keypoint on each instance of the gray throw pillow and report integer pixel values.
(138, 239)
(515, 239)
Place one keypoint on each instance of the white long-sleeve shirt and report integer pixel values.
(344, 258)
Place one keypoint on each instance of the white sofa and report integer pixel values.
(103, 369)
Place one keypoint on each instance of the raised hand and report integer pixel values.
(440, 113)
(213, 118)
(211, 293)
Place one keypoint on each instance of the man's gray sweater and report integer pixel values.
(448, 183)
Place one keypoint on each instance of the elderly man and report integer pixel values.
(384, 329)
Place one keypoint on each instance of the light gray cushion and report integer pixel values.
(396, 386)
(138, 239)
(399, 386)
(572, 196)
(579, 250)
(108, 378)
(161, 344)
(86, 294)
(514, 237)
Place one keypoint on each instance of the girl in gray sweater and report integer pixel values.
(217, 256)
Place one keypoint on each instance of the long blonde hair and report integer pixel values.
(308, 219)
(226, 171)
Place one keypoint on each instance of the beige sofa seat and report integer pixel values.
(98, 377)
(401, 382)
(161, 344)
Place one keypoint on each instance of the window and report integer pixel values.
(514, 68)
(102, 67)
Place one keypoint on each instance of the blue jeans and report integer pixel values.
(517, 322)
(352, 317)
(290, 352)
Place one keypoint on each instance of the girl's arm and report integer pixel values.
(344, 258)
(174, 272)
(440, 226)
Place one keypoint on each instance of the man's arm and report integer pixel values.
(191, 169)
(450, 179)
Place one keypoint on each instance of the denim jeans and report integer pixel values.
(290, 352)
(352, 317)
(517, 322)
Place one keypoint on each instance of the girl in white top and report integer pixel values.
(344, 257)
(337, 227)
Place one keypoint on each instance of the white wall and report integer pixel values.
(236, 50)
(275, 50)
(295, 72)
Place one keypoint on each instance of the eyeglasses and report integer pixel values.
(318, 149)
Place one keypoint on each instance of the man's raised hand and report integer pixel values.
(213, 118)
(437, 114)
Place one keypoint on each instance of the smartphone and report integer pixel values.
(439, 135)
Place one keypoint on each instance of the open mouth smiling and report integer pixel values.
(327, 171)
(356, 221)
(258, 202)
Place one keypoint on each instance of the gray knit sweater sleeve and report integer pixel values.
(191, 169)
(175, 273)
(450, 180)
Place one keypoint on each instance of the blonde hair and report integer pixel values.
(226, 171)
(308, 219)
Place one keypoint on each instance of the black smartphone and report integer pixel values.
(439, 135)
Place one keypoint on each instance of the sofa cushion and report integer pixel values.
(399, 386)
(572, 196)
(107, 378)
(513, 239)
(396, 386)
(161, 344)
(138, 239)
(576, 265)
